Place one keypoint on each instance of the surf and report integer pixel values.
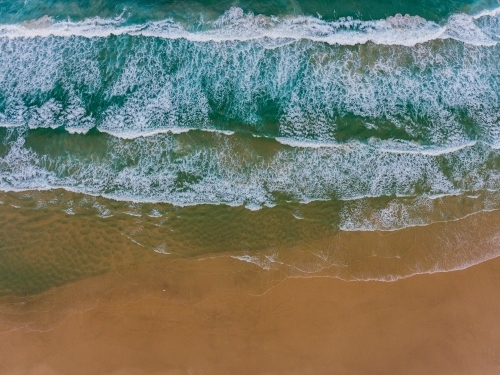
(235, 25)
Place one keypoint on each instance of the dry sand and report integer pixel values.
(224, 316)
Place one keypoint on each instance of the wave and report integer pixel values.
(235, 25)
(441, 247)
(409, 148)
(487, 13)
(359, 215)
(256, 111)
(212, 168)
(394, 147)
(136, 134)
(311, 244)
(440, 94)
(383, 146)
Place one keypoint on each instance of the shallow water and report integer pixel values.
(55, 237)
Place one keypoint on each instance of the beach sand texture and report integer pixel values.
(221, 315)
(247, 187)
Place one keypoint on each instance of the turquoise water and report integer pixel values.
(256, 104)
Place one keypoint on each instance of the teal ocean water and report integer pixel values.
(384, 109)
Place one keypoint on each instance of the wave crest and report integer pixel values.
(235, 25)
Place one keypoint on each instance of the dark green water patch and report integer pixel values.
(12, 11)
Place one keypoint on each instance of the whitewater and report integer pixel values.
(386, 116)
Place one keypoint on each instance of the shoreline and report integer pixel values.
(223, 316)
(44, 247)
(86, 298)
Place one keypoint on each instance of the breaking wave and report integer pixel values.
(386, 116)
(235, 25)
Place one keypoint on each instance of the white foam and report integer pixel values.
(172, 87)
(161, 249)
(155, 213)
(148, 170)
(463, 28)
(423, 150)
(393, 147)
(69, 211)
(235, 25)
(423, 210)
(9, 125)
(487, 13)
(265, 262)
(306, 143)
(315, 86)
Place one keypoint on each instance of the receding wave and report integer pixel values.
(296, 239)
(390, 146)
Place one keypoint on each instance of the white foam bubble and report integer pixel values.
(264, 262)
(462, 27)
(156, 90)
(488, 12)
(162, 169)
(163, 88)
(306, 143)
(161, 249)
(392, 146)
(235, 25)
(410, 148)
(148, 170)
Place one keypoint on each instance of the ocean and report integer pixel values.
(250, 129)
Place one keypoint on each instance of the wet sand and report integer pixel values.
(224, 316)
(80, 294)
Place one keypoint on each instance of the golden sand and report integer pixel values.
(224, 316)
(82, 296)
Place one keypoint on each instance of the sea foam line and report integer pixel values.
(384, 146)
(235, 25)
(250, 207)
(396, 147)
(487, 249)
(488, 13)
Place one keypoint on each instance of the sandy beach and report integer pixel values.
(247, 187)
(225, 316)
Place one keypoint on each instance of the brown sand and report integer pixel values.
(223, 316)
(113, 306)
